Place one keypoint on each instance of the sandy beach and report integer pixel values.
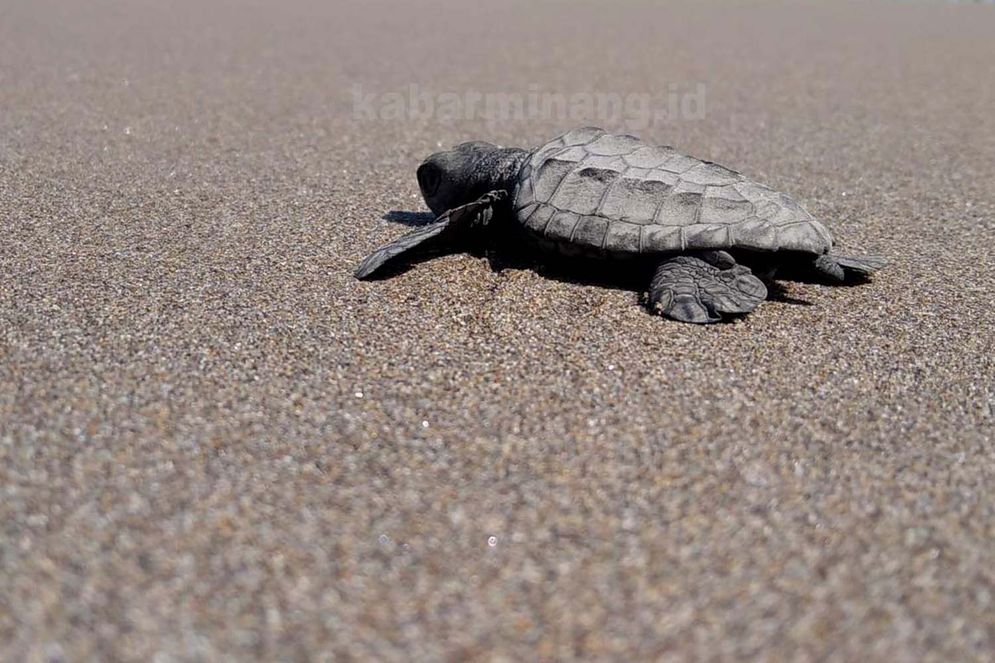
(216, 443)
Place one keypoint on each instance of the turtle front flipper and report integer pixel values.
(702, 288)
(444, 232)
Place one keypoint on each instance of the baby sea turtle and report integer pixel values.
(708, 230)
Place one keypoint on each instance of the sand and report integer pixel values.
(214, 442)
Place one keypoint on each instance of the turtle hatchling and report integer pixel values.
(707, 236)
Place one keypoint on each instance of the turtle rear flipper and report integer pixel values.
(701, 289)
(848, 269)
(441, 233)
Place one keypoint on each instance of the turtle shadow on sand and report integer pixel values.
(776, 292)
(507, 254)
(410, 219)
(504, 252)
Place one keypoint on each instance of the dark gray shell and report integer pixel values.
(595, 192)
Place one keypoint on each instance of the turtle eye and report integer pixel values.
(429, 178)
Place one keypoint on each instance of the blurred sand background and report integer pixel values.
(214, 441)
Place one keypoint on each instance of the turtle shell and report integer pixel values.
(593, 192)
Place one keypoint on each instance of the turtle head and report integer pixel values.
(461, 175)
